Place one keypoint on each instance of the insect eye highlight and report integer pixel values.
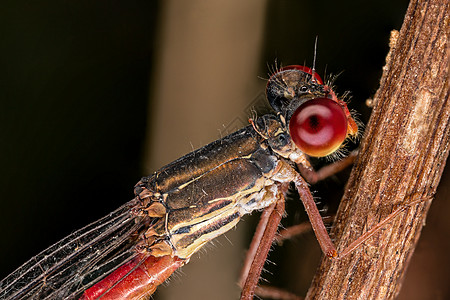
(303, 89)
(318, 127)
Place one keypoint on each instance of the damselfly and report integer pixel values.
(187, 203)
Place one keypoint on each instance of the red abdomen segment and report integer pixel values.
(135, 279)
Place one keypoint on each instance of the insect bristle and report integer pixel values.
(330, 79)
(338, 154)
(361, 126)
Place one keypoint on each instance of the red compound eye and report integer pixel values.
(318, 127)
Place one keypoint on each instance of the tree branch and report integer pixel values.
(403, 154)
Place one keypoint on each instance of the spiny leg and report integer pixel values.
(299, 229)
(267, 229)
(260, 246)
(315, 218)
(312, 177)
(320, 231)
(256, 241)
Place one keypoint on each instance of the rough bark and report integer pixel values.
(403, 154)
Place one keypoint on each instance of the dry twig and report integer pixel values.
(402, 158)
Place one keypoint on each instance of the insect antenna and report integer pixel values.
(313, 70)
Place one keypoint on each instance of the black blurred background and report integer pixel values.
(77, 107)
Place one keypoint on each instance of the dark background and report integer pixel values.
(75, 84)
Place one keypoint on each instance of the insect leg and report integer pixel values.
(313, 176)
(315, 218)
(366, 235)
(271, 292)
(256, 241)
(261, 243)
(318, 226)
(299, 229)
